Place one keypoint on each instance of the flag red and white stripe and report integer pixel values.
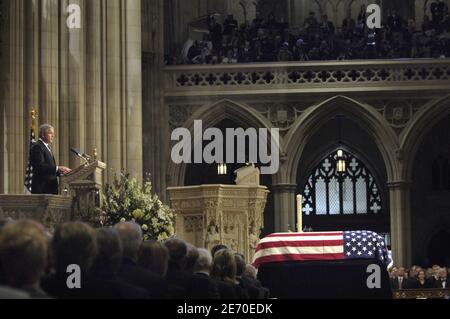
(281, 247)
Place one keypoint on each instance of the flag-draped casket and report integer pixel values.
(324, 264)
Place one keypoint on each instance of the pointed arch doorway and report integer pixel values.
(349, 200)
(356, 199)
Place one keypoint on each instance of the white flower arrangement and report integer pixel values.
(126, 200)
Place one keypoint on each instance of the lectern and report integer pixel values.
(85, 185)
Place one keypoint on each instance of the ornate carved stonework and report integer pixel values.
(92, 172)
(81, 201)
(47, 209)
(433, 293)
(280, 115)
(398, 113)
(193, 223)
(179, 114)
(228, 214)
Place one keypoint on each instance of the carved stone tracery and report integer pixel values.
(231, 215)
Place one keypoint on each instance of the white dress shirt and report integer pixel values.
(48, 147)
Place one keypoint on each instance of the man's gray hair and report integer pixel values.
(204, 260)
(44, 128)
(130, 234)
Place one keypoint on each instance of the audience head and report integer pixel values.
(204, 261)
(401, 272)
(421, 275)
(394, 271)
(191, 258)
(442, 273)
(436, 270)
(74, 243)
(250, 271)
(130, 234)
(224, 266)
(177, 252)
(413, 271)
(216, 248)
(4, 221)
(23, 253)
(110, 252)
(154, 256)
(240, 264)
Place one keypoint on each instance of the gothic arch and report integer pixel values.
(315, 116)
(211, 114)
(413, 135)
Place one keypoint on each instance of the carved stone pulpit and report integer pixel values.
(91, 171)
(208, 215)
(80, 199)
(85, 185)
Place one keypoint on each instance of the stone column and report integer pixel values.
(155, 131)
(13, 148)
(399, 196)
(95, 106)
(72, 85)
(49, 67)
(76, 69)
(64, 132)
(284, 206)
(113, 116)
(132, 79)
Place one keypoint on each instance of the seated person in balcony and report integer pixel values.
(311, 23)
(246, 54)
(300, 51)
(45, 171)
(347, 26)
(438, 10)
(285, 54)
(257, 21)
(326, 27)
(229, 25)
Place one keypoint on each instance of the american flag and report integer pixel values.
(29, 171)
(337, 245)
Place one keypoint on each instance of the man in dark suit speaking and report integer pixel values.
(45, 171)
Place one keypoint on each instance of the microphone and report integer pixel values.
(77, 152)
(86, 156)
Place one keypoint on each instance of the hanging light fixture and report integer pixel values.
(340, 158)
(340, 162)
(221, 169)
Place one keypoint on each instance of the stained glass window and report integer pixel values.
(330, 193)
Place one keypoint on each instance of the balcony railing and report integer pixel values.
(433, 293)
(307, 75)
